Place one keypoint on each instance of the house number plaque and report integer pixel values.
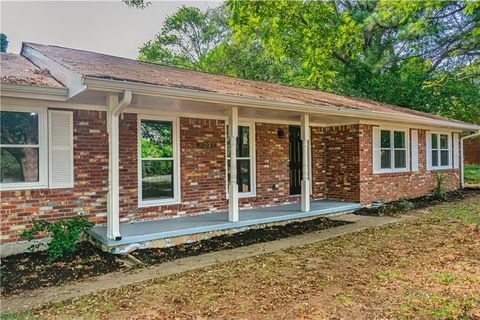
(205, 145)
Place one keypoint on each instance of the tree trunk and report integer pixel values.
(29, 163)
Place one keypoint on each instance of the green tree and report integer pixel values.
(420, 55)
(408, 53)
(187, 37)
(362, 35)
(3, 42)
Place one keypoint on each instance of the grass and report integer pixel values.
(427, 268)
(472, 174)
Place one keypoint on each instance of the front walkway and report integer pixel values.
(140, 232)
(38, 297)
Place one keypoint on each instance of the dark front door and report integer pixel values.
(295, 159)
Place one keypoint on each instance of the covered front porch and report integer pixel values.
(282, 165)
(141, 234)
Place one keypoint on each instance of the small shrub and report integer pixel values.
(439, 191)
(65, 234)
(405, 205)
(395, 207)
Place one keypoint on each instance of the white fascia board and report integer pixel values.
(111, 85)
(70, 79)
(33, 92)
(429, 127)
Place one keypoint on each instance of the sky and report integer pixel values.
(109, 27)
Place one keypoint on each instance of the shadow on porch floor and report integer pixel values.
(136, 232)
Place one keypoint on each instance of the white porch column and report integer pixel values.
(233, 187)
(305, 135)
(113, 199)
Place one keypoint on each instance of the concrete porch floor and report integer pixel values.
(144, 231)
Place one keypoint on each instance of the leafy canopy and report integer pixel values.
(417, 54)
(187, 37)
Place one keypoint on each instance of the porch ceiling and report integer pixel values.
(156, 105)
(140, 232)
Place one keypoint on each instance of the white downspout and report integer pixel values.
(115, 108)
(462, 165)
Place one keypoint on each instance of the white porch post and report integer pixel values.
(113, 199)
(305, 135)
(233, 187)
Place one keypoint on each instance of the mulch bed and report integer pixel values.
(397, 207)
(33, 270)
(244, 238)
(27, 271)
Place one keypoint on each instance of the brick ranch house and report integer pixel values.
(132, 145)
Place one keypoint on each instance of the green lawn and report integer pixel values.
(424, 268)
(472, 174)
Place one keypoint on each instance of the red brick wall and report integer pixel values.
(471, 150)
(272, 168)
(341, 169)
(203, 185)
(88, 197)
(342, 162)
(394, 186)
(203, 171)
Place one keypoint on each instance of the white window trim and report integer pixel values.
(429, 150)
(253, 160)
(176, 162)
(42, 182)
(407, 151)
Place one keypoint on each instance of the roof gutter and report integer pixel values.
(72, 80)
(117, 86)
(462, 165)
(33, 92)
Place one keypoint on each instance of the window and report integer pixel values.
(390, 150)
(23, 148)
(245, 164)
(158, 167)
(439, 150)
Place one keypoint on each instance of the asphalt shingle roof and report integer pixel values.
(16, 69)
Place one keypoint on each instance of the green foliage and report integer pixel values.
(186, 37)
(472, 174)
(156, 139)
(416, 54)
(396, 207)
(3, 42)
(139, 4)
(439, 191)
(18, 164)
(65, 234)
(405, 205)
